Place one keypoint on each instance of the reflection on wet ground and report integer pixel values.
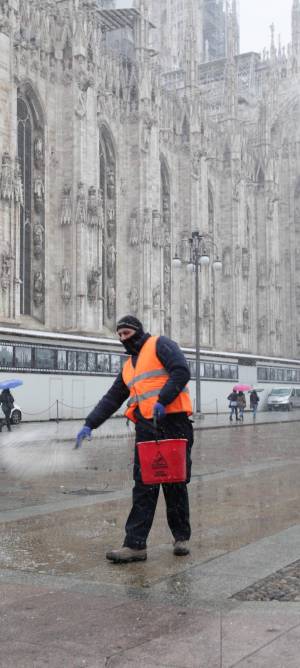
(245, 486)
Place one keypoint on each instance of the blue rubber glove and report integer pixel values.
(159, 411)
(85, 432)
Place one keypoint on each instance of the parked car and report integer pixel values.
(15, 416)
(284, 398)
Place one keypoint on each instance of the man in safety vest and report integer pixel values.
(154, 383)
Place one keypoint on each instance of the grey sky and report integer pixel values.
(255, 18)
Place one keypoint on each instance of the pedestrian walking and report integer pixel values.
(254, 400)
(154, 381)
(232, 398)
(7, 402)
(241, 404)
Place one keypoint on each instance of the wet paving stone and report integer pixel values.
(284, 585)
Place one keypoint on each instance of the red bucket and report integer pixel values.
(163, 461)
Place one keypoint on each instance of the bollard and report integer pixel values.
(57, 415)
(217, 407)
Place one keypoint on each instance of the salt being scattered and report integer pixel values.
(25, 458)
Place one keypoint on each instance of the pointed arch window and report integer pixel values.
(32, 210)
(25, 131)
(108, 193)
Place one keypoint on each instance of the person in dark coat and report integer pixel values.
(170, 404)
(254, 400)
(241, 404)
(7, 402)
(233, 405)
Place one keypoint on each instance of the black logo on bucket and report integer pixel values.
(160, 466)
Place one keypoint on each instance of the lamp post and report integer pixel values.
(198, 258)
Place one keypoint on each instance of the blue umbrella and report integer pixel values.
(8, 384)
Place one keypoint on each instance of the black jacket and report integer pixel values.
(174, 362)
(7, 401)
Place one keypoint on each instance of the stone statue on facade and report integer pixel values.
(81, 207)
(133, 298)
(38, 288)
(185, 315)
(196, 164)
(18, 185)
(156, 299)
(94, 209)
(6, 178)
(245, 320)
(39, 194)
(93, 280)
(38, 152)
(166, 210)
(134, 236)
(65, 284)
(167, 278)
(111, 260)
(7, 259)
(237, 260)
(66, 217)
(245, 262)
(226, 320)
(38, 240)
(111, 302)
(111, 186)
(262, 324)
(85, 81)
(111, 221)
(146, 134)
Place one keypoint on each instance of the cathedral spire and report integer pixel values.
(272, 43)
(190, 48)
(232, 30)
(296, 27)
(235, 26)
(230, 81)
(142, 27)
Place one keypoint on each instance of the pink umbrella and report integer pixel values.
(242, 388)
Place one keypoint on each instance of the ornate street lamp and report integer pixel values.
(198, 258)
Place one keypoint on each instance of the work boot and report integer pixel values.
(126, 554)
(181, 548)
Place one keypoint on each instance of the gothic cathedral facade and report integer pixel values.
(122, 131)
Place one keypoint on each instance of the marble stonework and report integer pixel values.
(131, 150)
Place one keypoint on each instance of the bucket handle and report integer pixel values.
(152, 424)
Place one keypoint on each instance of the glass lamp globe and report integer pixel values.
(217, 265)
(204, 260)
(176, 262)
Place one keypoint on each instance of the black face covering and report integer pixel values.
(134, 343)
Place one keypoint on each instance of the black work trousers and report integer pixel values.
(145, 497)
(7, 419)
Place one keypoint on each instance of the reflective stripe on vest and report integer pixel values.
(148, 374)
(147, 395)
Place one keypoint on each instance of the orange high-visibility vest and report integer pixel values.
(145, 381)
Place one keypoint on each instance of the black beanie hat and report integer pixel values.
(131, 322)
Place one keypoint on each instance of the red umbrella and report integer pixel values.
(242, 388)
